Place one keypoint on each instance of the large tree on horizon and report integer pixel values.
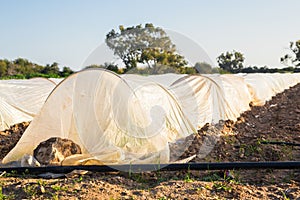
(231, 61)
(148, 45)
(293, 59)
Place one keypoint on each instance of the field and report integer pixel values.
(278, 120)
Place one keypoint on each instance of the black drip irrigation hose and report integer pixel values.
(155, 167)
(280, 143)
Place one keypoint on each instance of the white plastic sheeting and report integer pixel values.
(114, 120)
(131, 118)
(263, 86)
(210, 98)
(21, 100)
(56, 80)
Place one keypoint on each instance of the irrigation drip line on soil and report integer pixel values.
(155, 167)
(280, 143)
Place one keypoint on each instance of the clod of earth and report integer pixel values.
(54, 150)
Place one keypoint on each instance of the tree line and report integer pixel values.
(233, 62)
(150, 47)
(21, 68)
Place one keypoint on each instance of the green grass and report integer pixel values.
(2, 196)
(222, 186)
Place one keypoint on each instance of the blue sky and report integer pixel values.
(67, 31)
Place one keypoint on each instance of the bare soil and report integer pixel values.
(278, 120)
